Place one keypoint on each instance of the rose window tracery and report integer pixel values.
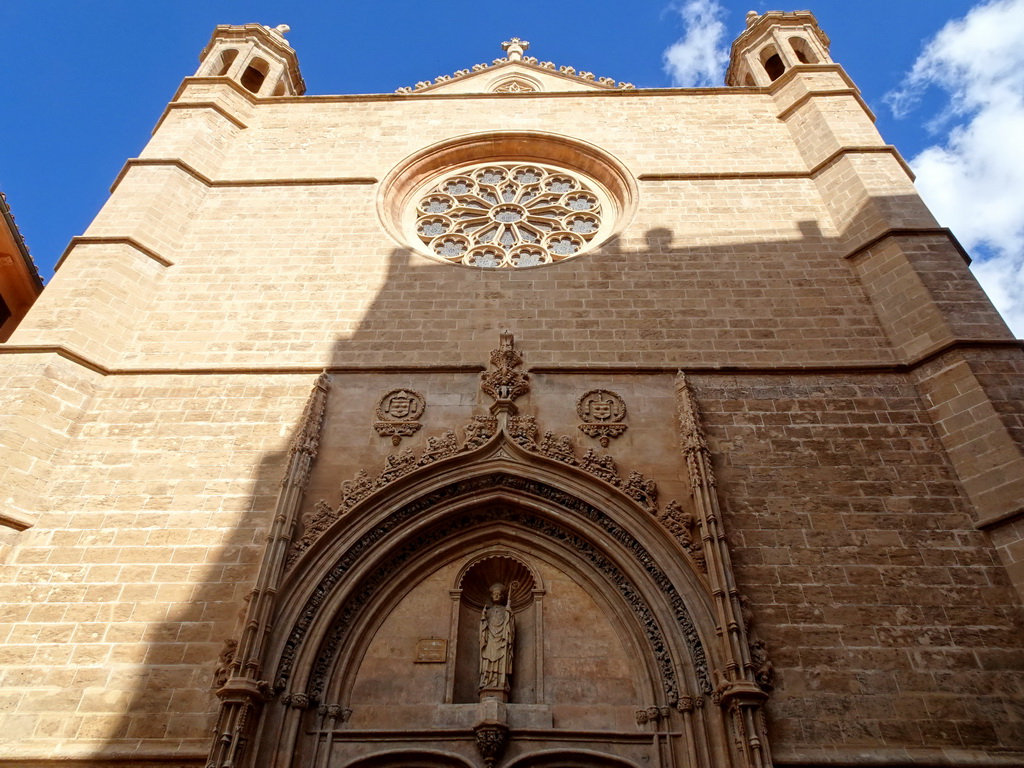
(509, 215)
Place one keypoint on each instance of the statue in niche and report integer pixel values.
(497, 636)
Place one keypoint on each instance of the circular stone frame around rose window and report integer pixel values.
(508, 200)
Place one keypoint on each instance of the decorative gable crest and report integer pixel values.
(521, 68)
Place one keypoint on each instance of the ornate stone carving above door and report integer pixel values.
(398, 412)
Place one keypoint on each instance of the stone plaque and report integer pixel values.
(432, 651)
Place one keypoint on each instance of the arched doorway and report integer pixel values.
(384, 646)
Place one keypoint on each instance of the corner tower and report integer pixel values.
(773, 43)
(255, 56)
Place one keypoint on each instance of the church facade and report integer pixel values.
(518, 418)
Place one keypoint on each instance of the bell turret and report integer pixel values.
(256, 56)
(773, 43)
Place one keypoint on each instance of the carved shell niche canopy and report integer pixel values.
(497, 569)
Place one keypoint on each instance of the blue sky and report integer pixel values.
(85, 83)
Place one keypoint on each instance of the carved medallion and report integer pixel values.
(398, 412)
(601, 412)
(515, 86)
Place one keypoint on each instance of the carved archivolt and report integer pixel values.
(505, 382)
(523, 430)
(385, 573)
(739, 686)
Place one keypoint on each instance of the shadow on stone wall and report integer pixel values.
(748, 305)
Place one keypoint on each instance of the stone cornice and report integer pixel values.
(211, 105)
(926, 357)
(887, 149)
(174, 162)
(113, 240)
(910, 232)
(528, 62)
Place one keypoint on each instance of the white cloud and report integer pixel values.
(699, 58)
(974, 180)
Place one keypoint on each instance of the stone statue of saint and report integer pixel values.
(497, 635)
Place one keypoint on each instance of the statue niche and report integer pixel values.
(496, 648)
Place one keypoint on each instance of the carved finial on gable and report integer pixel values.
(505, 382)
(514, 48)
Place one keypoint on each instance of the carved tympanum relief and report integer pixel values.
(602, 412)
(398, 412)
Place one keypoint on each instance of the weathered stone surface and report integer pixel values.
(833, 542)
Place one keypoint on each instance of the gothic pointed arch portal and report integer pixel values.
(495, 602)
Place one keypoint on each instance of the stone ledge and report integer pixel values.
(612, 368)
(113, 240)
(19, 521)
(181, 165)
(853, 757)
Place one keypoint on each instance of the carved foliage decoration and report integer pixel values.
(398, 412)
(470, 520)
(691, 432)
(601, 412)
(514, 49)
(307, 440)
(654, 714)
(490, 741)
(681, 524)
(478, 431)
(223, 671)
(505, 382)
(523, 431)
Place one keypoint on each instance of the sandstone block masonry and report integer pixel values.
(863, 406)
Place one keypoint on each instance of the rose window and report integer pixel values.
(499, 216)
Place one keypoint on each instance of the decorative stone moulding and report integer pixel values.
(505, 383)
(601, 412)
(507, 200)
(510, 215)
(515, 49)
(398, 412)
